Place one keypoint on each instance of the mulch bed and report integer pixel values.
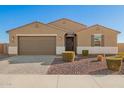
(81, 66)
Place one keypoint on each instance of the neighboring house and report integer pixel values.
(55, 37)
(3, 48)
(120, 47)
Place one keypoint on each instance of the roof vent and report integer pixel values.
(36, 25)
(64, 22)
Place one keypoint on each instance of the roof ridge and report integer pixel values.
(101, 26)
(68, 20)
(105, 27)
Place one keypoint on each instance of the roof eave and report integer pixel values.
(105, 27)
(23, 26)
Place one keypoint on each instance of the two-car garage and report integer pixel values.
(36, 39)
(36, 45)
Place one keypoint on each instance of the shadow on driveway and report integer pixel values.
(31, 59)
(3, 57)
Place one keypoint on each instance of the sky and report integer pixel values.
(15, 16)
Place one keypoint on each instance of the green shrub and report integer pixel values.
(85, 52)
(68, 56)
(121, 53)
(114, 63)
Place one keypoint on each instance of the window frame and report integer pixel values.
(100, 40)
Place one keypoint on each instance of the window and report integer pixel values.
(97, 40)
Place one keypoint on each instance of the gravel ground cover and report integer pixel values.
(81, 66)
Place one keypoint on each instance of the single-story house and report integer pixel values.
(55, 37)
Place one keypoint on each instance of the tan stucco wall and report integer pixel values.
(110, 37)
(120, 47)
(32, 29)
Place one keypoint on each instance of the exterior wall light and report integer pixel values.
(12, 38)
(60, 38)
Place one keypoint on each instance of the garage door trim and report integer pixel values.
(36, 34)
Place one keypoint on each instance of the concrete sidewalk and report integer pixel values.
(62, 81)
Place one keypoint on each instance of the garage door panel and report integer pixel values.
(37, 45)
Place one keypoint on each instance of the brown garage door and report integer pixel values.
(37, 45)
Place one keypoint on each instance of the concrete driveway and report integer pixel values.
(26, 64)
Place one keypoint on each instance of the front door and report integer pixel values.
(69, 43)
